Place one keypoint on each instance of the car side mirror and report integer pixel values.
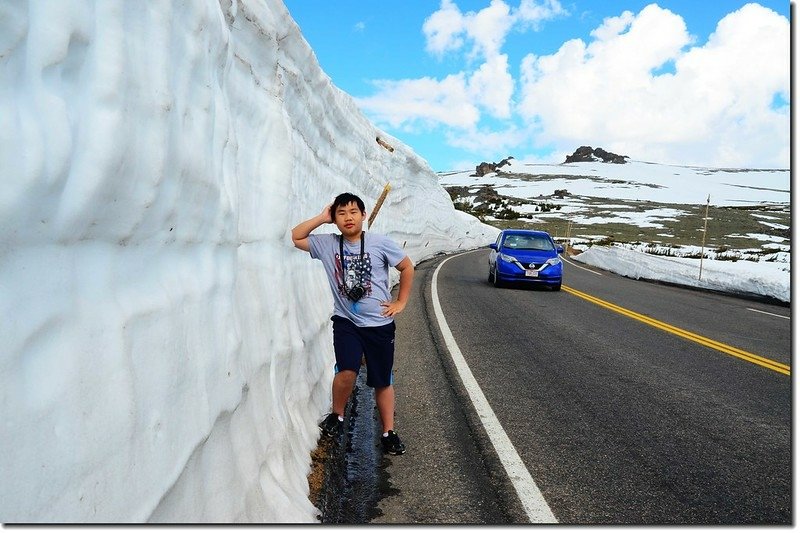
(559, 249)
(493, 246)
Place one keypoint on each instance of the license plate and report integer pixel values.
(531, 273)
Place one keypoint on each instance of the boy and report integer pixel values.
(357, 265)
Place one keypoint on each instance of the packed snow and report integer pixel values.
(166, 351)
(769, 279)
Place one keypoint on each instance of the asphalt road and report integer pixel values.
(618, 420)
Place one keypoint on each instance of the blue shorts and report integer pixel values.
(376, 344)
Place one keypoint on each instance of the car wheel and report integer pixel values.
(490, 276)
(557, 287)
(495, 280)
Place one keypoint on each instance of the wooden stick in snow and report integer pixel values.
(378, 204)
(384, 144)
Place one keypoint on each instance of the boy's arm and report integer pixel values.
(406, 268)
(301, 232)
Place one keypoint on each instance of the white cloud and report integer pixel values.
(613, 26)
(492, 86)
(715, 108)
(488, 28)
(458, 99)
(404, 103)
(443, 29)
(359, 26)
(641, 86)
(454, 101)
(531, 13)
(488, 141)
(448, 29)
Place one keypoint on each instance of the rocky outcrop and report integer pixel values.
(587, 154)
(485, 168)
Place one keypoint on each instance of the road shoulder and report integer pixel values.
(444, 476)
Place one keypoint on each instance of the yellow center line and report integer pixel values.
(705, 341)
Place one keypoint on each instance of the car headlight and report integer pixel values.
(553, 261)
(507, 258)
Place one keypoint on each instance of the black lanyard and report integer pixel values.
(341, 252)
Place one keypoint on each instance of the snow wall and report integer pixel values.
(166, 351)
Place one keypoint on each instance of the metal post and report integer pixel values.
(569, 231)
(703, 246)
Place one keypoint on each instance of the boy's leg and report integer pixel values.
(379, 353)
(348, 348)
(343, 383)
(384, 398)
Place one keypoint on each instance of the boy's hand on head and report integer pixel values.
(326, 214)
(392, 308)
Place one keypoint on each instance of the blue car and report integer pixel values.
(525, 256)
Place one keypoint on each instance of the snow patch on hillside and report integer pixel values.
(636, 180)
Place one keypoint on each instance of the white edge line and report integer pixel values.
(530, 496)
(766, 313)
(578, 266)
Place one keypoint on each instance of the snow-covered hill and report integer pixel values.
(166, 352)
(636, 180)
(650, 187)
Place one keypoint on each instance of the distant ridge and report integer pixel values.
(585, 154)
(485, 168)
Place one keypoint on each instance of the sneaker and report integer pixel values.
(392, 444)
(331, 426)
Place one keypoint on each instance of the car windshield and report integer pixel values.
(527, 242)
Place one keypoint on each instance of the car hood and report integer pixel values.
(530, 256)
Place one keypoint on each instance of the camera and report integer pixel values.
(355, 293)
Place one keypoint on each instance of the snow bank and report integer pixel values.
(166, 351)
(771, 279)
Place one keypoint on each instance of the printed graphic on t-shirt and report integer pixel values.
(356, 272)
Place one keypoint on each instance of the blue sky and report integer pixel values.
(468, 81)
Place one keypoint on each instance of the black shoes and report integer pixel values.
(392, 444)
(332, 426)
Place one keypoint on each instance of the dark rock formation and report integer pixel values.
(488, 195)
(485, 168)
(587, 154)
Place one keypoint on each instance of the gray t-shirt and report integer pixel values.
(380, 252)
